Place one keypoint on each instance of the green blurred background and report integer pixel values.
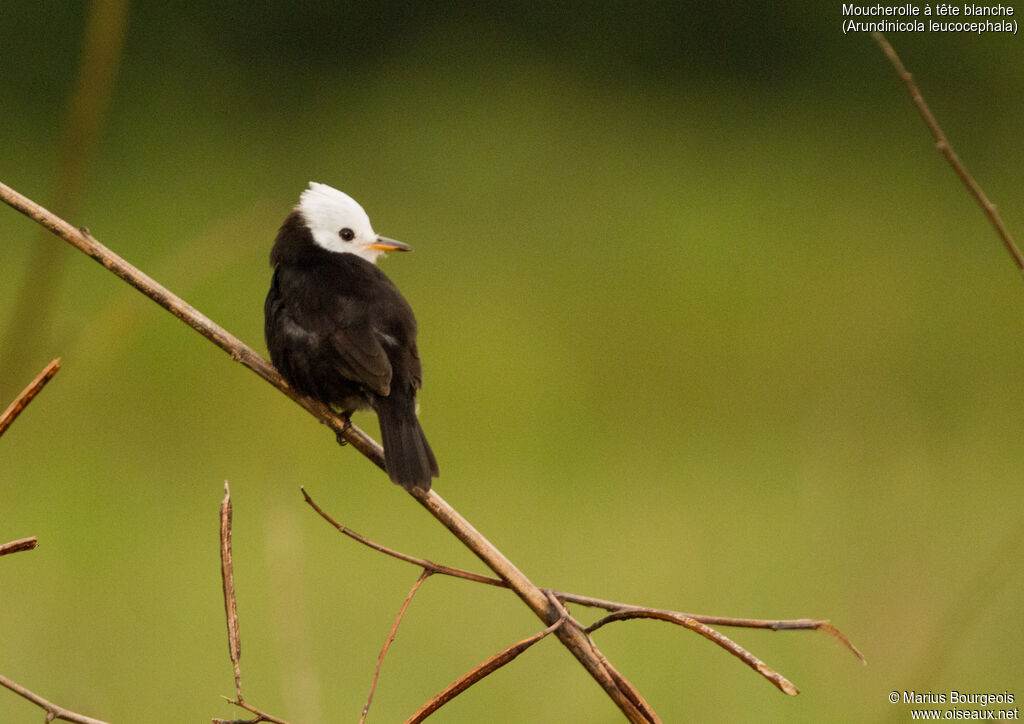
(707, 324)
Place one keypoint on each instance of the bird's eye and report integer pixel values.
(347, 234)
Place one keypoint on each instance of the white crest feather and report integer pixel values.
(328, 211)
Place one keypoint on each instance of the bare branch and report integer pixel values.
(944, 146)
(231, 614)
(421, 562)
(571, 636)
(476, 674)
(748, 658)
(793, 624)
(390, 639)
(28, 394)
(227, 572)
(626, 685)
(620, 611)
(260, 716)
(625, 612)
(24, 544)
(710, 634)
(16, 546)
(52, 710)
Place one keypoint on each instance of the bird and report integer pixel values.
(339, 330)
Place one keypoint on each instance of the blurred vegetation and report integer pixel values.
(706, 323)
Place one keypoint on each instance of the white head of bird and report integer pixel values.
(339, 224)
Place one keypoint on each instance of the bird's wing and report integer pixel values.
(415, 368)
(361, 357)
(332, 327)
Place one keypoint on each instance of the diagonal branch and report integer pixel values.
(28, 394)
(390, 639)
(17, 546)
(53, 712)
(944, 146)
(421, 562)
(571, 636)
(624, 611)
(259, 715)
(710, 634)
(26, 544)
(627, 686)
(620, 611)
(479, 672)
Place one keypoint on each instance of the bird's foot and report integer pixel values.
(340, 435)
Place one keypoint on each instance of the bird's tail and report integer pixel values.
(407, 455)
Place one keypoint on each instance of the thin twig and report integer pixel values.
(260, 716)
(624, 612)
(23, 544)
(390, 639)
(52, 710)
(28, 394)
(621, 611)
(491, 664)
(792, 624)
(479, 672)
(784, 685)
(231, 614)
(421, 562)
(16, 546)
(710, 634)
(944, 146)
(227, 573)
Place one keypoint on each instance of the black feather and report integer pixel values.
(338, 330)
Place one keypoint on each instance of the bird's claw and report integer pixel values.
(340, 434)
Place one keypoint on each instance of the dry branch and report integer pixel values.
(53, 712)
(231, 614)
(28, 394)
(946, 148)
(627, 686)
(710, 634)
(623, 611)
(421, 562)
(479, 672)
(795, 624)
(390, 639)
(259, 715)
(16, 546)
(227, 574)
(572, 637)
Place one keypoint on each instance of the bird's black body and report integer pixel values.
(339, 331)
